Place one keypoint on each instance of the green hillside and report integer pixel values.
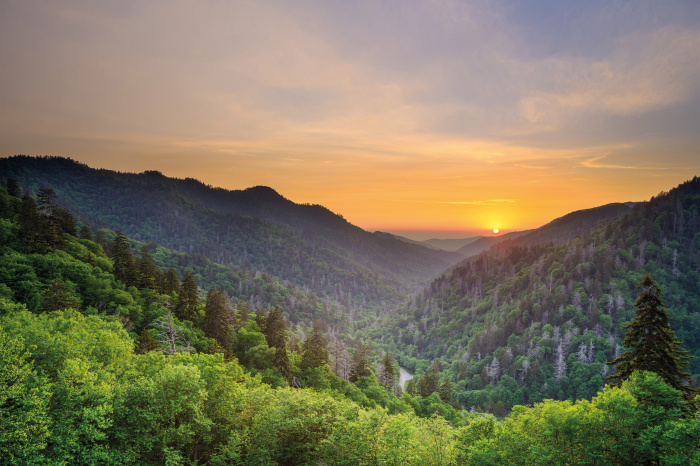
(536, 317)
(254, 229)
(108, 358)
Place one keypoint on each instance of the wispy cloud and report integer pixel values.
(487, 202)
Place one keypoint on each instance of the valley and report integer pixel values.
(288, 295)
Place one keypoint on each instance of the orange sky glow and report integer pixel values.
(429, 119)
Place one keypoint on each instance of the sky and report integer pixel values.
(435, 118)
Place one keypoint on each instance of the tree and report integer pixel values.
(169, 334)
(24, 399)
(124, 267)
(446, 390)
(314, 352)
(275, 331)
(170, 283)
(30, 226)
(86, 232)
(387, 373)
(58, 296)
(361, 366)
(145, 342)
(429, 382)
(147, 272)
(188, 302)
(652, 345)
(218, 318)
(13, 188)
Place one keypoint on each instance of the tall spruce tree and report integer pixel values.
(124, 267)
(387, 374)
(360, 366)
(218, 317)
(30, 226)
(314, 352)
(652, 345)
(170, 282)
(188, 299)
(58, 296)
(148, 274)
(276, 335)
(13, 188)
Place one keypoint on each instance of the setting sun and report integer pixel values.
(495, 230)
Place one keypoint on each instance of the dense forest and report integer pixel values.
(251, 231)
(537, 317)
(124, 350)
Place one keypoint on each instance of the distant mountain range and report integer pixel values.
(254, 228)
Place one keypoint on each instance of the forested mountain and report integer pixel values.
(484, 243)
(536, 317)
(109, 358)
(254, 230)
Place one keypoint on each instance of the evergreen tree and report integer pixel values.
(30, 226)
(170, 283)
(314, 352)
(361, 366)
(188, 301)
(387, 373)
(86, 232)
(429, 383)
(145, 342)
(411, 387)
(218, 319)
(65, 223)
(58, 296)
(124, 267)
(13, 188)
(53, 217)
(275, 331)
(148, 273)
(652, 345)
(446, 390)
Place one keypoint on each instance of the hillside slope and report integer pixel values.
(523, 322)
(254, 229)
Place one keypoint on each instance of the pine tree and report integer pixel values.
(124, 267)
(57, 297)
(170, 283)
(429, 383)
(13, 188)
(652, 345)
(218, 319)
(145, 342)
(314, 352)
(86, 232)
(446, 390)
(275, 330)
(361, 366)
(147, 272)
(387, 373)
(30, 227)
(188, 301)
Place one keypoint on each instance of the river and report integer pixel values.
(404, 377)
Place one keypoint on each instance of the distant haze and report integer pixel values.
(423, 235)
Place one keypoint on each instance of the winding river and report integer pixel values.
(404, 377)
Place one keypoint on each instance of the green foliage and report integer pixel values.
(58, 296)
(314, 352)
(619, 426)
(652, 345)
(547, 309)
(24, 398)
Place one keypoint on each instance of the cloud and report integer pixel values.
(488, 202)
